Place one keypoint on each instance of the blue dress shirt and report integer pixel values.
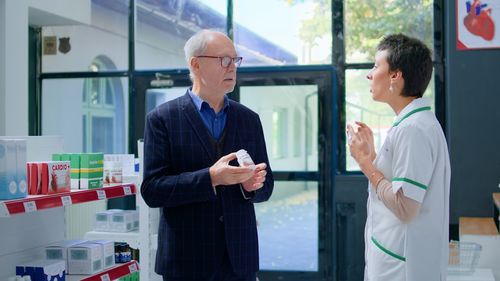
(215, 122)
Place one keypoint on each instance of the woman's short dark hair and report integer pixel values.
(412, 58)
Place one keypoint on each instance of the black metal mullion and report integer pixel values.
(339, 62)
(295, 176)
(35, 83)
(132, 146)
(229, 19)
(83, 74)
(439, 66)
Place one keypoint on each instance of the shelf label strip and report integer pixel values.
(105, 277)
(4, 212)
(101, 194)
(29, 206)
(126, 190)
(132, 268)
(66, 200)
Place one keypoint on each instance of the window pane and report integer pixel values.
(307, 39)
(288, 227)
(164, 26)
(78, 45)
(86, 126)
(276, 115)
(367, 21)
(360, 107)
(102, 134)
(157, 96)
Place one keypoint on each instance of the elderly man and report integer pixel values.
(207, 227)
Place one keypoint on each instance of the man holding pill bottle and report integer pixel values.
(207, 227)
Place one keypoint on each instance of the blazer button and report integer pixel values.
(221, 218)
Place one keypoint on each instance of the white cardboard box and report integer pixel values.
(59, 250)
(85, 258)
(108, 252)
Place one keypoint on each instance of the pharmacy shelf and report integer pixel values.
(35, 203)
(118, 271)
(131, 238)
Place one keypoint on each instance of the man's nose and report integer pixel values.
(231, 66)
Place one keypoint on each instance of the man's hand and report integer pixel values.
(257, 180)
(221, 173)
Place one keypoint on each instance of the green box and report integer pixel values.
(56, 157)
(91, 170)
(74, 159)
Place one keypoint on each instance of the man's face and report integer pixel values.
(212, 76)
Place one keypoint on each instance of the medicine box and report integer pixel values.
(108, 252)
(59, 179)
(43, 270)
(85, 258)
(74, 159)
(48, 177)
(59, 250)
(91, 170)
(12, 169)
(21, 160)
(102, 220)
(135, 218)
(122, 221)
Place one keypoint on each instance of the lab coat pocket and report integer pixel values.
(386, 264)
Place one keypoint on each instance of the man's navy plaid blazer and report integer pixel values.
(197, 225)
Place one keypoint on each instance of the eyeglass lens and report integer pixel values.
(226, 61)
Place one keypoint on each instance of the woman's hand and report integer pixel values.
(361, 144)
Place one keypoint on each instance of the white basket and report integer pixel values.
(463, 257)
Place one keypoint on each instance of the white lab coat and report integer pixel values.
(415, 158)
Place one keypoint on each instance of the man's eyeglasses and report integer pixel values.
(226, 61)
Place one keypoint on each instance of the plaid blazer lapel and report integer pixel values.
(194, 118)
(230, 130)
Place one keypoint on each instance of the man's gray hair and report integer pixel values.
(196, 46)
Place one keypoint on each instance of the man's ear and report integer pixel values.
(194, 65)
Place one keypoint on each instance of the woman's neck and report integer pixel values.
(400, 103)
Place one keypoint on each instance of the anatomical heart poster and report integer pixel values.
(477, 24)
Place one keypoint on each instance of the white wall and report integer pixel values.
(3, 24)
(15, 17)
(15, 87)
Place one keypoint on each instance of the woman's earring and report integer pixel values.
(391, 89)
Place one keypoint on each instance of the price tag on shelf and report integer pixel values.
(66, 200)
(126, 190)
(132, 268)
(4, 212)
(101, 194)
(105, 277)
(29, 206)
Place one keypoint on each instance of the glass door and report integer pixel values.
(296, 108)
(295, 226)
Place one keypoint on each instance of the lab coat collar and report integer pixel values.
(415, 106)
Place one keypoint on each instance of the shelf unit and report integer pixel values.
(28, 225)
(37, 209)
(145, 239)
(34, 203)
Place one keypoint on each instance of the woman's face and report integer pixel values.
(380, 78)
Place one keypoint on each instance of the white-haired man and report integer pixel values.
(207, 227)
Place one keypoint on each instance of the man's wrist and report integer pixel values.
(211, 172)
